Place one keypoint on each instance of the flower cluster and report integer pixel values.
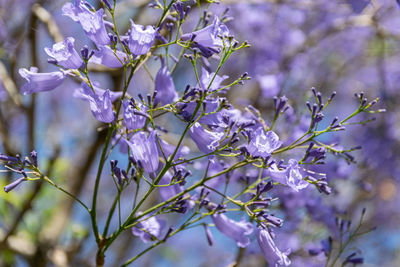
(189, 151)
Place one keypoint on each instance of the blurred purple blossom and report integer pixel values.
(238, 231)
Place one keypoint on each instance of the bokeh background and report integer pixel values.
(347, 46)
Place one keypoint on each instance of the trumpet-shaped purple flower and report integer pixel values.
(205, 140)
(65, 54)
(148, 229)
(238, 231)
(81, 94)
(290, 175)
(92, 22)
(165, 87)
(100, 102)
(105, 56)
(208, 40)
(271, 252)
(144, 150)
(141, 39)
(39, 82)
(14, 184)
(134, 121)
(211, 81)
(262, 143)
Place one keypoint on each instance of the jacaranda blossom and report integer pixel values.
(141, 39)
(166, 93)
(81, 94)
(92, 22)
(208, 40)
(271, 252)
(211, 81)
(100, 103)
(290, 175)
(205, 140)
(14, 184)
(39, 82)
(149, 229)
(144, 150)
(105, 56)
(262, 143)
(238, 231)
(65, 54)
(134, 121)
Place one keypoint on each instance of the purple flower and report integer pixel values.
(166, 93)
(39, 82)
(148, 229)
(141, 39)
(65, 54)
(208, 39)
(81, 94)
(6, 158)
(238, 231)
(209, 82)
(290, 175)
(271, 253)
(144, 150)
(100, 103)
(134, 121)
(105, 56)
(92, 22)
(166, 192)
(14, 184)
(262, 143)
(205, 140)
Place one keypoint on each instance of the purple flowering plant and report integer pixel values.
(241, 163)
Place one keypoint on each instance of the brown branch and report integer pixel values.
(46, 18)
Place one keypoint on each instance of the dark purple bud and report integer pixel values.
(314, 91)
(33, 155)
(334, 121)
(308, 105)
(332, 96)
(85, 52)
(107, 4)
(168, 233)
(8, 158)
(314, 109)
(14, 184)
(178, 6)
(319, 117)
(364, 101)
(319, 97)
(209, 236)
(270, 218)
(310, 146)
